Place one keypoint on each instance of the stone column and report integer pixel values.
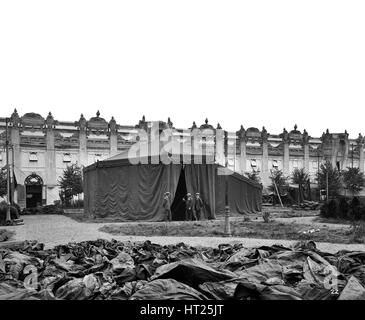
(360, 143)
(242, 161)
(50, 191)
(219, 146)
(166, 143)
(285, 136)
(82, 124)
(113, 137)
(265, 157)
(193, 145)
(15, 138)
(361, 150)
(306, 150)
(15, 142)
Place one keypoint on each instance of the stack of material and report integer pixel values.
(5, 235)
(307, 205)
(115, 270)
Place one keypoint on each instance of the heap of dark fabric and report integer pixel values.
(123, 270)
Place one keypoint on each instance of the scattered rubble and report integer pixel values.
(310, 231)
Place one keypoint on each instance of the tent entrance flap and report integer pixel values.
(178, 205)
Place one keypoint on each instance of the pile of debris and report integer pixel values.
(123, 270)
(6, 235)
(307, 205)
(14, 215)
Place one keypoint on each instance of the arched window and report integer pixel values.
(33, 180)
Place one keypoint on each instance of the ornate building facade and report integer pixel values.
(43, 147)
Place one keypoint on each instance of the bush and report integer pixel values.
(14, 211)
(324, 210)
(51, 209)
(358, 232)
(48, 209)
(355, 209)
(343, 209)
(266, 216)
(75, 204)
(332, 208)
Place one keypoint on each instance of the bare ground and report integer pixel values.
(57, 229)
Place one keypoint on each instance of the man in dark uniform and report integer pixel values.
(198, 206)
(167, 206)
(189, 207)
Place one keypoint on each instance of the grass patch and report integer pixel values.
(358, 232)
(6, 235)
(332, 220)
(275, 212)
(239, 228)
(82, 217)
(289, 212)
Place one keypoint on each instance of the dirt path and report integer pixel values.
(311, 221)
(57, 229)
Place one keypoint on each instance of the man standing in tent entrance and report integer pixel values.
(198, 206)
(189, 207)
(167, 206)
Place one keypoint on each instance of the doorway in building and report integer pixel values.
(33, 190)
(178, 205)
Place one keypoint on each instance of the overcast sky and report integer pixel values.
(256, 63)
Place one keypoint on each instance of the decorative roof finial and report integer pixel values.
(169, 123)
(295, 127)
(15, 118)
(206, 120)
(143, 118)
(98, 114)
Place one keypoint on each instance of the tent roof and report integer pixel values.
(172, 149)
(177, 157)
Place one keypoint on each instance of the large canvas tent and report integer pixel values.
(117, 187)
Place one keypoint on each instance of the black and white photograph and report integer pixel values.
(182, 159)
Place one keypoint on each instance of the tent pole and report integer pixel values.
(8, 217)
(276, 188)
(12, 186)
(227, 224)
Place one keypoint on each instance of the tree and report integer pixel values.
(353, 180)
(300, 177)
(334, 179)
(3, 181)
(253, 176)
(70, 183)
(280, 180)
